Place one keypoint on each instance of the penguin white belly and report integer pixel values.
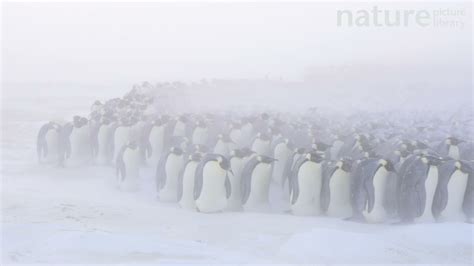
(430, 187)
(131, 160)
(261, 147)
(187, 198)
(213, 194)
(281, 154)
(52, 141)
(340, 189)
(453, 152)
(456, 190)
(200, 136)
(236, 136)
(378, 213)
(235, 199)
(173, 166)
(221, 148)
(80, 146)
(103, 144)
(121, 137)
(259, 188)
(157, 141)
(179, 129)
(309, 184)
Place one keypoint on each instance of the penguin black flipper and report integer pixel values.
(94, 138)
(287, 170)
(198, 176)
(41, 144)
(64, 142)
(440, 199)
(370, 169)
(328, 169)
(120, 169)
(293, 180)
(246, 180)
(228, 187)
(160, 175)
(413, 194)
(358, 193)
(180, 180)
(468, 202)
(112, 137)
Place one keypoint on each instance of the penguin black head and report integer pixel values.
(176, 150)
(224, 163)
(321, 146)
(453, 141)
(315, 157)
(196, 157)
(345, 164)
(265, 159)
(388, 165)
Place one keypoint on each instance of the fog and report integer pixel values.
(111, 46)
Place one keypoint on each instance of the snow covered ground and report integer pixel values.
(77, 215)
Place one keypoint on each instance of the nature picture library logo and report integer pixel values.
(376, 16)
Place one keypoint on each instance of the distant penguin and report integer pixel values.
(80, 142)
(200, 133)
(247, 133)
(449, 199)
(450, 147)
(181, 126)
(255, 183)
(157, 137)
(336, 188)
(335, 148)
(103, 141)
(167, 174)
(419, 180)
(48, 143)
(306, 185)
(121, 135)
(212, 185)
(368, 189)
(186, 182)
(238, 159)
(224, 145)
(282, 150)
(262, 144)
(127, 166)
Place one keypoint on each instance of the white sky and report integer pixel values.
(132, 42)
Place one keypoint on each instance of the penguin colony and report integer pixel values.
(361, 168)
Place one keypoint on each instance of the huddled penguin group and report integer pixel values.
(363, 167)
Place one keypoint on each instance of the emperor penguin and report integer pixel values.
(167, 174)
(238, 159)
(127, 166)
(121, 135)
(80, 142)
(306, 185)
(181, 126)
(200, 133)
(186, 182)
(449, 199)
(282, 150)
(212, 185)
(419, 180)
(48, 143)
(247, 133)
(368, 189)
(255, 183)
(157, 137)
(450, 147)
(103, 141)
(336, 147)
(336, 188)
(262, 144)
(224, 145)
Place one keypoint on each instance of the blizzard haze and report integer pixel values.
(114, 45)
